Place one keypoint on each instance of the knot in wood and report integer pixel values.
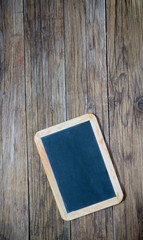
(139, 104)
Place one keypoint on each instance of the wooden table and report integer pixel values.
(58, 60)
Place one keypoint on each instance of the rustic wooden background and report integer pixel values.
(58, 60)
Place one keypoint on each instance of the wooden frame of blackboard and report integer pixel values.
(106, 158)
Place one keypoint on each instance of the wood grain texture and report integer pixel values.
(45, 106)
(86, 89)
(125, 70)
(53, 55)
(13, 167)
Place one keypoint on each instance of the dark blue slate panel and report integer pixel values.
(78, 166)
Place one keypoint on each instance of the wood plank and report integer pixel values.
(86, 89)
(125, 70)
(13, 168)
(45, 106)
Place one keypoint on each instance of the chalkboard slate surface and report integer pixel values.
(78, 167)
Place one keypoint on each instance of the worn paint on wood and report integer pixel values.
(58, 60)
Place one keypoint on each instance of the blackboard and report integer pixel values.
(76, 157)
(78, 166)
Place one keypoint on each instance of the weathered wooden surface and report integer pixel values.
(58, 60)
(14, 217)
(125, 82)
(45, 106)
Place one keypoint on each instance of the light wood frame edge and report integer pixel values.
(106, 157)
